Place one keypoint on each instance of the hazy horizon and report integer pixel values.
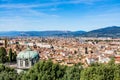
(53, 30)
(61, 15)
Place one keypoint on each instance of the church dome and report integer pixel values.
(28, 54)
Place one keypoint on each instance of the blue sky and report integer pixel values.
(40, 15)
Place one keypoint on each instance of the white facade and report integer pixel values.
(43, 45)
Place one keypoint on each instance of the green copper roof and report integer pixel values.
(28, 53)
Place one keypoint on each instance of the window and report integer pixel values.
(21, 63)
(26, 63)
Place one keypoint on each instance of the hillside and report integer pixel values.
(113, 31)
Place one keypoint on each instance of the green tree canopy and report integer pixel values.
(3, 55)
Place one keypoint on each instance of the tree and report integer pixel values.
(14, 56)
(117, 72)
(112, 61)
(73, 72)
(45, 70)
(7, 73)
(69, 57)
(6, 43)
(99, 72)
(10, 55)
(3, 54)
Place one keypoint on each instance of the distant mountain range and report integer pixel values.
(41, 33)
(113, 31)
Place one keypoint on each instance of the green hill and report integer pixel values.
(113, 31)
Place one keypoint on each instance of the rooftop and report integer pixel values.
(27, 53)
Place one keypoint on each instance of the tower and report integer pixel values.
(6, 43)
(86, 50)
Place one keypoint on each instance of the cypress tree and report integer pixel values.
(10, 55)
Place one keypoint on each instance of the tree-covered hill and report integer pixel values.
(113, 31)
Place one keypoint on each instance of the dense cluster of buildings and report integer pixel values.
(68, 51)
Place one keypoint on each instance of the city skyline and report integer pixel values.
(73, 15)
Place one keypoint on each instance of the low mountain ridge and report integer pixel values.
(41, 33)
(113, 31)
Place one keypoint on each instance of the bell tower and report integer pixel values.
(6, 43)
